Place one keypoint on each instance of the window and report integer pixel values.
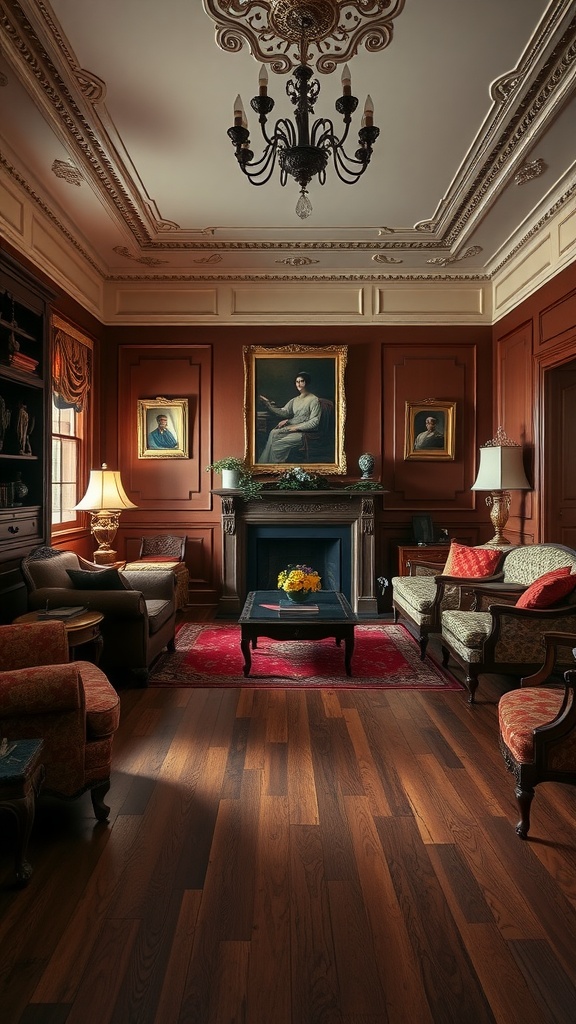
(67, 438)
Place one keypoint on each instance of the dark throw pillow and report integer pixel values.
(100, 579)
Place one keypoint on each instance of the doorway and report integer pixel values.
(559, 456)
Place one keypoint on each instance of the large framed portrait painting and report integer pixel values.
(163, 428)
(295, 407)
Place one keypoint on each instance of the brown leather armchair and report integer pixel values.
(71, 706)
(139, 616)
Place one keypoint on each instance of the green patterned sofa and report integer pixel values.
(499, 637)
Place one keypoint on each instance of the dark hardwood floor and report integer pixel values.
(297, 857)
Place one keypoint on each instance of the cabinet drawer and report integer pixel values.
(19, 527)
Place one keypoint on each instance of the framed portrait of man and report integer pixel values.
(295, 407)
(430, 430)
(163, 428)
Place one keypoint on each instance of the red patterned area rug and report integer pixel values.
(385, 656)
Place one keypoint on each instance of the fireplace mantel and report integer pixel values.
(354, 509)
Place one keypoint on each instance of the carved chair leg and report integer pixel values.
(396, 616)
(524, 797)
(472, 684)
(423, 640)
(101, 810)
(445, 656)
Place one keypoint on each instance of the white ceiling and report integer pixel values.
(134, 99)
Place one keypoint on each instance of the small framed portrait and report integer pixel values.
(430, 430)
(162, 428)
(295, 407)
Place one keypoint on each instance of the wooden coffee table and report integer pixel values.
(82, 629)
(261, 617)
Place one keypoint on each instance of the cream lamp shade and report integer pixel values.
(501, 470)
(105, 499)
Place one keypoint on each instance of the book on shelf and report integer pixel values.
(22, 362)
(65, 612)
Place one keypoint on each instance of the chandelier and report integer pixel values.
(301, 148)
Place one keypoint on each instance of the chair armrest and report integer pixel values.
(159, 584)
(481, 595)
(552, 641)
(45, 689)
(127, 604)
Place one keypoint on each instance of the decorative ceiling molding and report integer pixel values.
(532, 169)
(68, 172)
(380, 258)
(337, 28)
(444, 261)
(148, 261)
(297, 261)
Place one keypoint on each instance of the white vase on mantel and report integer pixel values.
(230, 479)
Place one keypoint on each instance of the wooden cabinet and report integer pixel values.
(426, 553)
(24, 416)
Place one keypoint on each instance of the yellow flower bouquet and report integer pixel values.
(298, 581)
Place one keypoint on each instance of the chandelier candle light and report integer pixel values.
(303, 150)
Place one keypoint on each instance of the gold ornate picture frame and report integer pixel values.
(163, 428)
(286, 424)
(430, 434)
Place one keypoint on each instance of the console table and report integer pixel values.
(424, 552)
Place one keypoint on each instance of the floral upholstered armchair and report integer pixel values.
(71, 706)
(504, 631)
(537, 728)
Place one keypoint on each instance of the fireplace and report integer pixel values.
(332, 531)
(324, 548)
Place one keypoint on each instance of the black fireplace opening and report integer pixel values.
(324, 548)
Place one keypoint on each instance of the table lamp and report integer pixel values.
(104, 500)
(501, 470)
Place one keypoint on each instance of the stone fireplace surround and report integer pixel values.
(338, 525)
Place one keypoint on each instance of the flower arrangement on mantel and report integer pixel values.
(297, 581)
(298, 479)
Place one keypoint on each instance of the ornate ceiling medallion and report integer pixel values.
(335, 29)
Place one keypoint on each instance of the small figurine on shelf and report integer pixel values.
(24, 428)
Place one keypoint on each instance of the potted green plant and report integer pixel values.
(236, 476)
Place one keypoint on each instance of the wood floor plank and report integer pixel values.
(399, 969)
(172, 991)
(301, 782)
(269, 990)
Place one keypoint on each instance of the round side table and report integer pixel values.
(82, 629)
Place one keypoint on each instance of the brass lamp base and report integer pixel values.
(105, 556)
(499, 504)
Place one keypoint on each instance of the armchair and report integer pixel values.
(70, 705)
(499, 636)
(139, 615)
(537, 729)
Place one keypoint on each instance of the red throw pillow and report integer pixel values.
(548, 589)
(465, 561)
